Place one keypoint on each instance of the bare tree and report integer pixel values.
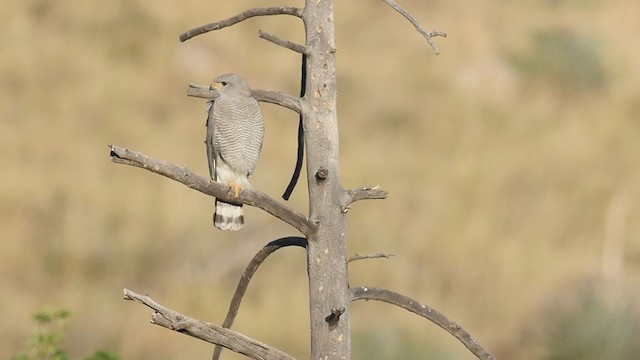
(324, 229)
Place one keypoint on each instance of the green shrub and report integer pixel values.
(596, 324)
(564, 59)
(46, 341)
(383, 344)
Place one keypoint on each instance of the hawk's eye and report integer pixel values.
(224, 83)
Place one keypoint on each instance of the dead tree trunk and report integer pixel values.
(326, 250)
(325, 227)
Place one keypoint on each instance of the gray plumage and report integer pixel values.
(235, 129)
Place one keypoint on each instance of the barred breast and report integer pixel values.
(238, 132)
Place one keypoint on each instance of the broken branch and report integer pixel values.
(208, 332)
(363, 193)
(369, 256)
(429, 313)
(276, 10)
(204, 185)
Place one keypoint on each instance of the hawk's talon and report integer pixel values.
(236, 188)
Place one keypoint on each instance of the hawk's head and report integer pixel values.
(231, 84)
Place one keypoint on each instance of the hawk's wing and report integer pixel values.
(211, 151)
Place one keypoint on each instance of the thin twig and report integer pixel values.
(276, 10)
(204, 185)
(282, 42)
(433, 315)
(427, 35)
(369, 256)
(268, 96)
(208, 332)
(251, 269)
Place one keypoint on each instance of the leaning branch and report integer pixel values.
(268, 96)
(433, 315)
(429, 35)
(204, 185)
(251, 269)
(208, 332)
(282, 42)
(276, 10)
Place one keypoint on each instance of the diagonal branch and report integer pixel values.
(431, 314)
(282, 42)
(268, 96)
(276, 10)
(208, 332)
(204, 185)
(251, 269)
(427, 35)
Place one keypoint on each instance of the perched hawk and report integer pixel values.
(235, 129)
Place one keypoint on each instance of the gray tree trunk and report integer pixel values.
(326, 249)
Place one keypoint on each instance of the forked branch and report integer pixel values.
(204, 185)
(276, 10)
(268, 96)
(208, 332)
(429, 35)
(251, 269)
(431, 314)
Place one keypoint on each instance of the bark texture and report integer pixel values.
(326, 250)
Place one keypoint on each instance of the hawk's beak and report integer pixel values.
(215, 86)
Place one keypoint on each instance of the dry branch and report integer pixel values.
(282, 42)
(366, 193)
(363, 193)
(433, 315)
(251, 269)
(427, 34)
(369, 256)
(276, 10)
(208, 332)
(268, 96)
(204, 185)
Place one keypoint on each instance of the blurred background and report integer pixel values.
(512, 162)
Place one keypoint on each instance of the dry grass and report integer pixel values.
(506, 182)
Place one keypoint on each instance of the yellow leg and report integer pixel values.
(236, 188)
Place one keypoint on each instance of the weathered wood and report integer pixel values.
(429, 35)
(184, 175)
(427, 312)
(282, 42)
(276, 10)
(327, 248)
(208, 332)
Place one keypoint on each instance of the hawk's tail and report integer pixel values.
(228, 216)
